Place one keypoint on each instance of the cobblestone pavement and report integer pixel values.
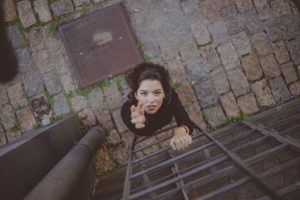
(228, 59)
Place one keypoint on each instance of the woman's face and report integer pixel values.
(151, 94)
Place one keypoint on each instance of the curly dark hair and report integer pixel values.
(150, 71)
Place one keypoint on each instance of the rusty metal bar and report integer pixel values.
(276, 136)
(246, 169)
(171, 161)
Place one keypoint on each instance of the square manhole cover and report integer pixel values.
(101, 44)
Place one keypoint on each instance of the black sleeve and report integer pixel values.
(181, 116)
(126, 117)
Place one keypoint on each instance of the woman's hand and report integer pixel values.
(181, 139)
(137, 116)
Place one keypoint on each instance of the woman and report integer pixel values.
(153, 103)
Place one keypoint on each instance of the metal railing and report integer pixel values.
(215, 168)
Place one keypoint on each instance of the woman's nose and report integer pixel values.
(150, 98)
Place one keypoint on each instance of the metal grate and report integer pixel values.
(101, 44)
(246, 161)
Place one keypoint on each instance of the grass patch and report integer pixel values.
(57, 118)
(104, 83)
(27, 97)
(176, 85)
(19, 107)
(242, 116)
(16, 127)
(49, 98)
(187, 105)
(118, 80)
(18, 24)
(141, 48)
(83, 91)
(204, 115)
(69, 95)
(36, 126)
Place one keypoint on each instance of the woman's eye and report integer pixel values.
(143, 93)
(157, 93)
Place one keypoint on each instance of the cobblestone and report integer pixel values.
(33, 83)
(229, 56)
(104, 118)
(220, 81)
(176, 70)
(205, 91)
(119, 154)
(210, 10)
(215, 116)
(289, 72)
(252, 22)
(3, 95)
(13, 135)
(26, 14)
(16, 96)
(25, 63)
(7, 117)
(79, 103)
(26, 119)
(200, 33)
(41, 108)
(15, 36)
(219, 32)
(9, 10)
(87, 117)
(279, 90)
(248, 104)
(210, 56)
(230, 105)
(60, 105)
(42, 9)
(118, 121)
(295, 88)
(78, 3)
(67, 82)
(294, 49)
(241, 43)
(2, 136)
(263, 93)
(261, 43)
(281, 52)
(113, 96)
(238, 82)
(52, 82)
(279, 7)
(62, 7)
(42, 60)
(251, 67)
(35, 40)
(113, 138)
(270, 66)
(263, 9)
(244, 5)
(103, 163)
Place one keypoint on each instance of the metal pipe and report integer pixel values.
(59, 182)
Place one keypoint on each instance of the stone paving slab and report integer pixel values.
(9, 10)
(42, 9)
(26, 14)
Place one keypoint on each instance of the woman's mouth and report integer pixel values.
(151, 108)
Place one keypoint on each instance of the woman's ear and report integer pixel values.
(135, 95)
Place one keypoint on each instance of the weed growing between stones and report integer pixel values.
(242, 116)
(49, 98)
(118, 80)
(176, 85)
(36, 126)
(57, 118)
(83, 91)
(16, 127)
(104, 83)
